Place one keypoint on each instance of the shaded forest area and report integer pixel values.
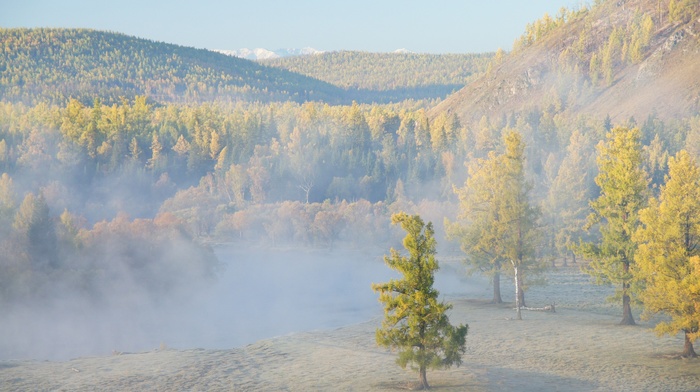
(389, 77)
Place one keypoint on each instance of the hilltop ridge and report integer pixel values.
(55, 64)
(620, 58)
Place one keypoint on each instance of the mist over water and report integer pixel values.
(260, 294)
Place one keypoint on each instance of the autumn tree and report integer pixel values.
(520, 219)
(7, 201)
(623, 192)
(327, 224)
(416, 323)
(475, 229)
(154, 162)
(498, 224)
(668, 258)
(567, 201)
(37, 230)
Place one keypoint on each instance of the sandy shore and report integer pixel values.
(578, 348)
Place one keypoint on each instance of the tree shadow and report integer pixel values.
(8, 365)
(437, 385)
(504, 379)
(490, 378)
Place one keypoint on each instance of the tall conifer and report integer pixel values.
(416, 323)
(623, 192)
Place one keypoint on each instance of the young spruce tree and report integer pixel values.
(416, 323)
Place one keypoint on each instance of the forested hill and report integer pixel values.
(629, 58)
(389, 76)
(56, 64)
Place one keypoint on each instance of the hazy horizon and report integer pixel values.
(445, 27)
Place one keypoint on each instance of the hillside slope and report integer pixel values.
(56, 64)
(624, 59)
(389, 76)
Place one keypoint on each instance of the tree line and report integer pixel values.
(648, 246)
(239, 155)
(46, 255)
(646, 241)
(320, 175)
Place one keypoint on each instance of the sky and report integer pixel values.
(437, 26)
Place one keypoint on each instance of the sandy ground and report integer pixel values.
(578, 348)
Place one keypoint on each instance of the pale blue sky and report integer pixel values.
(437, 26)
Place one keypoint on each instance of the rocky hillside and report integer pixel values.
(622, 58)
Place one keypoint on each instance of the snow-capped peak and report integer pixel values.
(264, 54)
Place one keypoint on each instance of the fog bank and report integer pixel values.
(260, 294)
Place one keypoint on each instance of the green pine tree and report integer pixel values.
(416, 323)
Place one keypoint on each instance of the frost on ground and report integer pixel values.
(578, 348)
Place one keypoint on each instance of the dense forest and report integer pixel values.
(53, 65)
(390, 76)
(309, 174)
(117, 150)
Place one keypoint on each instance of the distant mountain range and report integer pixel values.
(265, 54)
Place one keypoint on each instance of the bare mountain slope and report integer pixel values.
(620, 58)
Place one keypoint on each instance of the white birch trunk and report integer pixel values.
(517, 292)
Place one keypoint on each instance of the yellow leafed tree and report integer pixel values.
(668, 256)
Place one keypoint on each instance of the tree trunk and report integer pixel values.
(497, 288)
(423, 378)
(518, 314)
(566, 256)
(521, 292)
(688, 351)
(627, 318)
(573, 258)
